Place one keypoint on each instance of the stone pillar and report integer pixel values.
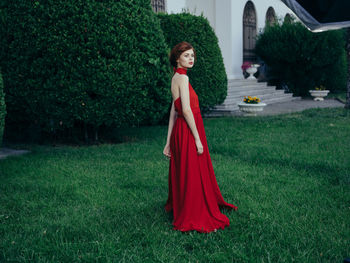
(225, 30)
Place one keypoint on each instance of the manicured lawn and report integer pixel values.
(289, 176)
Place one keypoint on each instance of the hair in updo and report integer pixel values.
(178, 50)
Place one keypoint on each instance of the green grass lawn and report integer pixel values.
(289, 175)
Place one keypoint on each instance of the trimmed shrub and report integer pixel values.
(302, 59)
(2, 109)
(208, 76)
(83, 63)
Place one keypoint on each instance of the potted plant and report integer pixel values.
(251, 105)
(250, 68)
(319, 93)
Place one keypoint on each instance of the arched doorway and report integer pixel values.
(288, 19)
(249, 32)
(270, 16)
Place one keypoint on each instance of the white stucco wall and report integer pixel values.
(226, 18)
(175, 6)
(207, 7)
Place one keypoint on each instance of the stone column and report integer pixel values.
(223, 30)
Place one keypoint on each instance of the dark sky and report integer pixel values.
(327, 11)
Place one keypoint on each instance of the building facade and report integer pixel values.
(236, 24)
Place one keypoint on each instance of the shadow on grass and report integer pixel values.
(334, 174)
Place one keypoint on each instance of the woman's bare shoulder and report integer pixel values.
(180, 78)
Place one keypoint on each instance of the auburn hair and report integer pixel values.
(178, 50)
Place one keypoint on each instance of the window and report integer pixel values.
(158, 5)
(270, 16)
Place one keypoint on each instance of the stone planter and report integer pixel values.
(319, 94)
(252, 70)
(250, 109)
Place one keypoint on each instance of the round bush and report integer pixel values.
(208, 76)
(302, 59)
(90, 62)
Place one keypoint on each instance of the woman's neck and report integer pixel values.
(181, 70)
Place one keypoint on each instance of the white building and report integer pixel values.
(235, 22)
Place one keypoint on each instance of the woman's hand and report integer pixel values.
(166, 151)
(199, 146)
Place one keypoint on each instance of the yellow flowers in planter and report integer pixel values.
(250, 99)
(321, 87)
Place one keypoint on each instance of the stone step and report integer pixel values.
(263, 98)
(278, 100)
(238, 88)
(246, 85)
(241, 82)
(234, 108)
(233, 105)
(251, 91)
(258, 93)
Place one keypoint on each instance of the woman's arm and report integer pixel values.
(172, 119)
(187, 112)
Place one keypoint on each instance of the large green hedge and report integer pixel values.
(84, 62)
(302, 59)
(2, 109)
(208, 76)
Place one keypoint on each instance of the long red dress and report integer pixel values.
(194, 195)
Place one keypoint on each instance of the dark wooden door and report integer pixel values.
(249, 32)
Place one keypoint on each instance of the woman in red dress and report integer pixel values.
(194, 195)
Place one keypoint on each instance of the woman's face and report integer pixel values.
(186, 59)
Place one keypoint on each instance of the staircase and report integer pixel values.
(237, 89)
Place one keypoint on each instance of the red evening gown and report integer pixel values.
(194, 195)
